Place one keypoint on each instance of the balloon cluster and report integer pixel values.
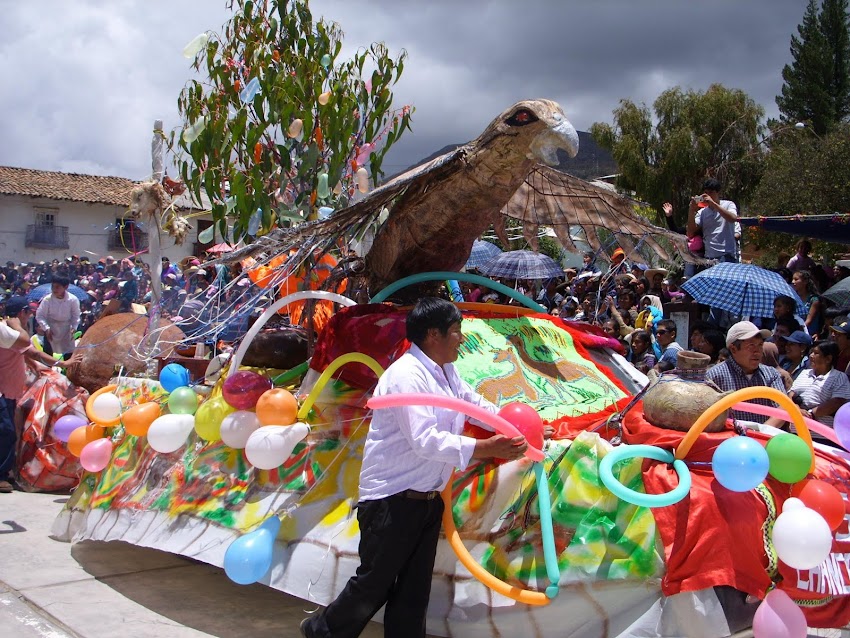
(802, 533)
(249, 414)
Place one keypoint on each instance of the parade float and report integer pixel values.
(646, 513)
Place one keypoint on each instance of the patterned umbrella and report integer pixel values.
(522, 264)
(39, 292)
(742, 289)
(223, 247)
(839, 294)
(482, 252)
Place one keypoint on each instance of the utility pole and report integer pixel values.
(155, 252)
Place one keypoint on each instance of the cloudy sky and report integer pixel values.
(85, 79)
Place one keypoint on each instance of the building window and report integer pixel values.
(46, 216)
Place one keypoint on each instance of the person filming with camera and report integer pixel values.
(716, 217)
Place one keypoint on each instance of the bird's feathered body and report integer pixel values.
(436, 210)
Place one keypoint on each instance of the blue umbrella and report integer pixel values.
(742, 289)
(482, 252)
(522, 264)
(39, 292)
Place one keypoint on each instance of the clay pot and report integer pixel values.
(677, 404)
(113, 342)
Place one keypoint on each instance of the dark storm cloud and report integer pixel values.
(85, 80)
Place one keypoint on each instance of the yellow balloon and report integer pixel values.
(209, 416)
(351, 357)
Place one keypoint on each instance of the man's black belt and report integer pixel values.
(420, 496)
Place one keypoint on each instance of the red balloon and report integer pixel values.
(822, 498)
(243, 389)
(526, 420)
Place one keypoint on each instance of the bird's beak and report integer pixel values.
(544, 147)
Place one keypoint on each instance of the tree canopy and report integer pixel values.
(816, 87)
(282, 130)
(666, 154)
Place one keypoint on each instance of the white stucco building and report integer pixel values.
(46, 215)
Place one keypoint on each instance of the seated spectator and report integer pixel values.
(665, 335)
(801, 260)
(656, 281)
(549, 297)
(784, 307)
(841, 334)
(796, 358)
(650, 312)
(744, 368)
(804, 285)
(641, 355)
(821, 388)
(784, 327)
(569, 308)
(723, 355)
(711, 343)
(770, 357)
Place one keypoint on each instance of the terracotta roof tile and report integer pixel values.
(67, 186)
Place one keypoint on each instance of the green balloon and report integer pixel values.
(182, 400)
(790, 458)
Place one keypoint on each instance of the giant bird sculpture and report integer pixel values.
(437, 209)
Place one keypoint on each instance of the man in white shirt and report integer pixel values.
(59, 315)
(408, 458)
(716, 220)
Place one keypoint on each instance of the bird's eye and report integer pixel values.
(521, 118)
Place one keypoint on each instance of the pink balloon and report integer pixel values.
(364, 153)
(779, 617)
(815, 426)
(95, 455)
(458, 405)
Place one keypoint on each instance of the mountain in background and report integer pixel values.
(591, 162)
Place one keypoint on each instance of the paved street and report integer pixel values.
(50, 589)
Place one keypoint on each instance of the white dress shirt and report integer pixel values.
(61, 317)
(417, 447)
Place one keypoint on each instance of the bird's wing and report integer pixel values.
(551, 198)
(353, 219)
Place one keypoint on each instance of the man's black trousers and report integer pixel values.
(398, 544)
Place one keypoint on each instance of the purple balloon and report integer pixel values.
(66, 424)
(841, 425)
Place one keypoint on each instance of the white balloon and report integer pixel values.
(169, 432)
(268, 447)
(237, 426)
(105, 407)
(802, 537)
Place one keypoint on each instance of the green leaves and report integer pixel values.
(244, 152)
(665, 154)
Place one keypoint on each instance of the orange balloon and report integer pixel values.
(82, 436)
(138, 419)
(277, 407)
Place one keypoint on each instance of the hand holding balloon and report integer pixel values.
(459, 405)
(500, 447)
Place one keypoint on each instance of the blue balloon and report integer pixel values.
(550, 554)
(173, 376)
(740, 463)
(250, 91)
(249, 557)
